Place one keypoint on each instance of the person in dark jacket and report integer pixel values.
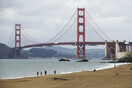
(37, 73)
(45, 72)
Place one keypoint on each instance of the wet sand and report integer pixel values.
(119, 77)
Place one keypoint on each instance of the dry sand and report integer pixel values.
(100, 79)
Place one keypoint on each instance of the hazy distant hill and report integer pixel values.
(41, 52)
(44, 53)
(90, 53)
(95, 53)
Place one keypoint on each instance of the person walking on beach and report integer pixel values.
(41, 73)
(94, 70)
(45, 72)
(37, 73)
(54, 71)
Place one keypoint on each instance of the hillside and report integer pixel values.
(5, 51)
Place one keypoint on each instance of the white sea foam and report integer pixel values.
(102, 68)
(111, 66)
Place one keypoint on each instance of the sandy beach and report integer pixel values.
(118, 77)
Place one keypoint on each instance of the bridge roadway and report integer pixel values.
(71, 43)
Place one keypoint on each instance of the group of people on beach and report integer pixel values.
(45, 72)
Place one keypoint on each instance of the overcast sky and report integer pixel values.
(43, 19)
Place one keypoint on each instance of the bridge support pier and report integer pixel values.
(106, 54)
(117, 48)
(81, 51)
(131, 48)
(110, 50)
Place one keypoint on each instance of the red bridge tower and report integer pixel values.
(80, 33)
(17, 40)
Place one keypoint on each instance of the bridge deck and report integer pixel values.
(71, 43)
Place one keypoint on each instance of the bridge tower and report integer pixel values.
(17, 40)
(80, 32)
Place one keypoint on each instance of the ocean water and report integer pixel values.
(19, 68)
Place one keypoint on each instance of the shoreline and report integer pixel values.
(118, 77)
(63, 73)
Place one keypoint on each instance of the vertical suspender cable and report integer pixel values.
(98, 26)
(94, 30)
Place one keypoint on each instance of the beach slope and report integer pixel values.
(118, 77)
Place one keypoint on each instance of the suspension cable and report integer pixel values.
(12, 42)
(98, 26)
(33, 41)
(27, 38)
(94, 29)
(65, 31)
(4, 50)
(10, 37)
(62, 28)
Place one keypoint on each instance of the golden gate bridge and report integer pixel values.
(112, 48)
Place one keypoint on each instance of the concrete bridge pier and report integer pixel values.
(117, 48)
(111, 50)
(106, 50)
(130, 48)
(122, 49)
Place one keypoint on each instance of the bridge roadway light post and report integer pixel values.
(81, 32)
(17, 41)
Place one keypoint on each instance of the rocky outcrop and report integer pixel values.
(64, 59)
(127, 58)
(83, 60)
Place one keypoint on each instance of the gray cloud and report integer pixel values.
(43, 19)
